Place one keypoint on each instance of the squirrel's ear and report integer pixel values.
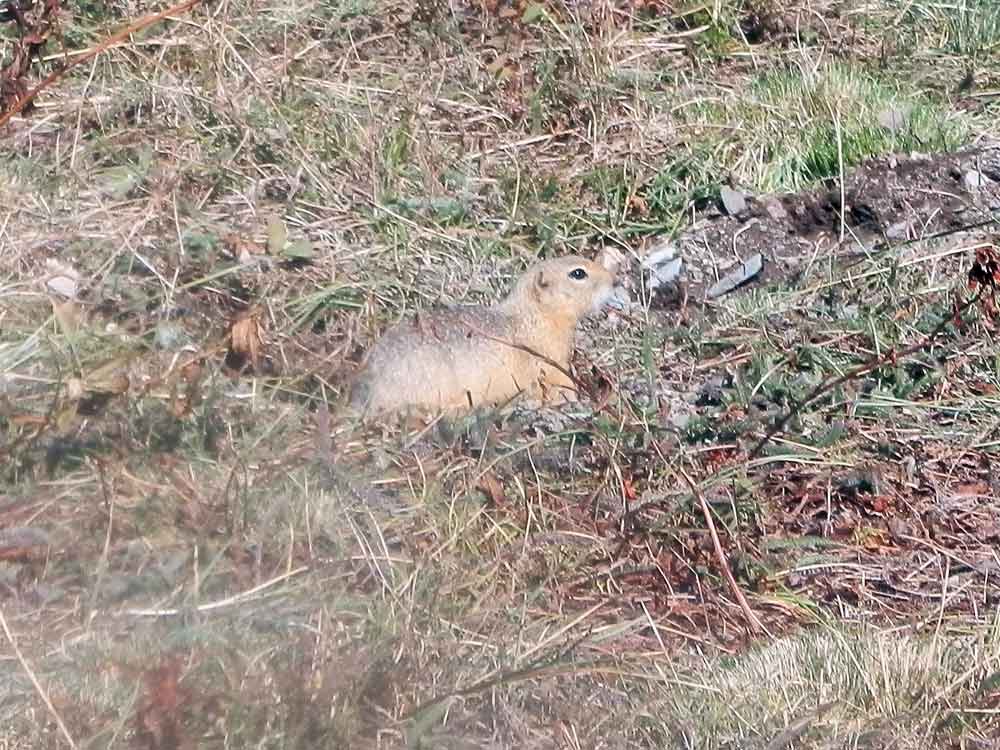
(540, 281)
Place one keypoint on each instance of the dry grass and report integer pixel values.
(195, 553)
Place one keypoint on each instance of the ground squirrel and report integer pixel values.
(464, 357)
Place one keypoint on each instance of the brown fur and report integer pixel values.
(454, 359)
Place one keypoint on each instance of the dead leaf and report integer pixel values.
(490, 486)
(62, 279)
(299, 250)
(242, 248)
(637, 206)
(67, 314)
(182, 402)
(159, 718)
(628, 488)
(971, 489)
(28, 419)
(66, 417)
(246, 340)
(109, 377)
(277, 236)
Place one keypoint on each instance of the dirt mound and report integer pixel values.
(886, 201)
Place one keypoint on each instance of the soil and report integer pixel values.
(866, 531)
(887, 202)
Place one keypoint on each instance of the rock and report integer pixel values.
(679, 420)
(742, 273)
(710, 393)
(170, 337)
(620, 298)
(898, 231)
(659, 255)
(620, 302)
(663, 266)
(975, 180)
(732, 200)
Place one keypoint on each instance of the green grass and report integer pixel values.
(790, 128)
(970, 28)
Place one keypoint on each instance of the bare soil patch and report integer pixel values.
(887, 202)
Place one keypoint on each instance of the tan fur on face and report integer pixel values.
(474, 356)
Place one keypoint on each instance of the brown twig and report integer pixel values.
(888, 358)
(142, 23)
(34, 34)
(754, 623)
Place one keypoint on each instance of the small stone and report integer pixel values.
(620, 299)
(666, 273)
(975, 180)
(62, 285)
(732, 200)
(679, 420)
(169, 336)
(739, 274)
(710, 393)
(663, 266)
(898, 231)
(662, 253)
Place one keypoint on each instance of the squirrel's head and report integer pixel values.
(568, 287)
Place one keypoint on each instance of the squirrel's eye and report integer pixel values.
(578, 273)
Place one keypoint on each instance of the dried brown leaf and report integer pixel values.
(67, 315)
(246, 340)
(490, 486)
(35, 29)
(242, 248)
(277, 236)
(159, 718)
